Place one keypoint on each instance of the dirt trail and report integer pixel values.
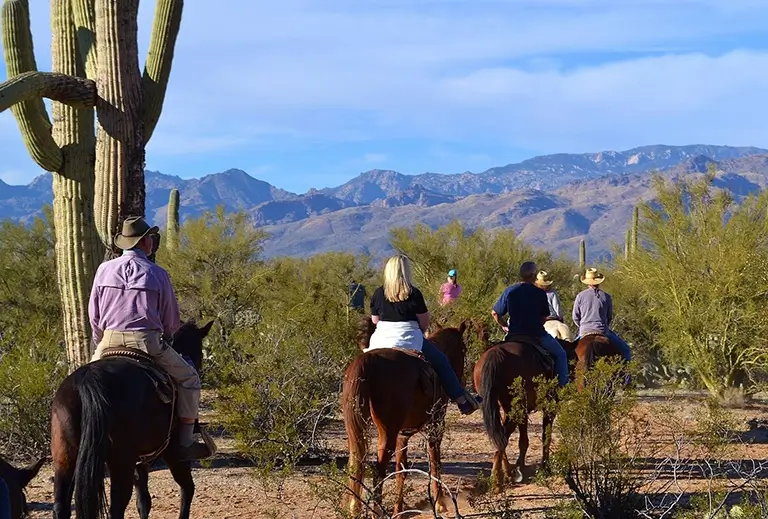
(227, 492)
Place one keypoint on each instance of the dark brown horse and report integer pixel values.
(16, 479)
(589, 349)
(109, 413)
(495, 371)
(394, 389)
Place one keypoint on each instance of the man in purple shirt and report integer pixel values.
(133, 305)
(593, 311)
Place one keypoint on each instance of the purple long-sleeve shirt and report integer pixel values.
(592, 311)
(131, 293)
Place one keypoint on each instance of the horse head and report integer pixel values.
(16, 480)
(188, 341)
(365, 329)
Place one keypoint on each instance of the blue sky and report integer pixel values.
(309, 93)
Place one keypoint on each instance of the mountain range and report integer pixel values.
(551, 201)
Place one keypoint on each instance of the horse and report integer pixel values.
(589, 349)
(496, 369)
(16, 480)
(402, 396)
(110, 413)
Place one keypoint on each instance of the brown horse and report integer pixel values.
(16, 479)
(109, 413)
(589, 349)
(401, 395)
(495, 371)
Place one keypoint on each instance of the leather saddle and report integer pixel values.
(535, 343)
(164, 384)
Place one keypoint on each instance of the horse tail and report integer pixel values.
(356, 399)
(489, 375)
(90, 497)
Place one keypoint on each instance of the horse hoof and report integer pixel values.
(518, 476)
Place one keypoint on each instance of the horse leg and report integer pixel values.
(143, 498)
(546, 439)
(435, 441)
(401, 462)
(64, 454)
(505, 466)
(182, 475)
(121, 474)
(387, 445)
(522, 443)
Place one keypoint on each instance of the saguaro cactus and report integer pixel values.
(582, 255)
(633, 229)
(172, 232)
(98, 178)
(627, 243)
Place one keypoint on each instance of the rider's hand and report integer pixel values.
(505, 328)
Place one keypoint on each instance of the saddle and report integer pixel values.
(544, 356)
(165, 387)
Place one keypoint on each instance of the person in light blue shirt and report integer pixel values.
(593, 311)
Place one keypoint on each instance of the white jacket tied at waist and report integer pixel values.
(390, 334)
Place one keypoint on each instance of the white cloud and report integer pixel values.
(550, 75)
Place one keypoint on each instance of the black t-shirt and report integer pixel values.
(526, 304)
(402, 310)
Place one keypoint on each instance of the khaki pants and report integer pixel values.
(558, 330)
(149, 341)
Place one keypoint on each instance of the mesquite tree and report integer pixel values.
(104, 112)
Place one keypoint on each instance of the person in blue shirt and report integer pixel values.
(528, 308)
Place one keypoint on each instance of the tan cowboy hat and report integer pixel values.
(592, 277)
(542, 278)
(134, 229)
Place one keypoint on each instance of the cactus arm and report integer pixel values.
(157, 71)
(31, 116)
(72, 91)
(84, 13)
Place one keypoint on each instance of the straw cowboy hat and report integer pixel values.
(542, 278)
(592, 277)
(134, 229)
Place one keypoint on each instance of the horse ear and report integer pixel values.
(463, 326)
(207, 328)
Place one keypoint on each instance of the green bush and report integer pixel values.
(32, 360)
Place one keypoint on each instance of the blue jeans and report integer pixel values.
(5, 501)
(442, 367)
(558, 353)
(623, 346)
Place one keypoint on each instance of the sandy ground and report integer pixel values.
(230, 490)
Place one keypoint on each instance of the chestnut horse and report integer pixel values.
(589, 348)
(393, 389)
(495, 371)
(109, 412)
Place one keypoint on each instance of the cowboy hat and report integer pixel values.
(542, 278)
(592, 277)
(134, 229)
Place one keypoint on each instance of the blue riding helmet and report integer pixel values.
(452, 273)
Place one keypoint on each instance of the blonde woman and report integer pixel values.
(401, 317)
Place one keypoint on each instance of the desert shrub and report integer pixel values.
(599, 446)
(32, 361)
(700, 271)
(286, 384)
